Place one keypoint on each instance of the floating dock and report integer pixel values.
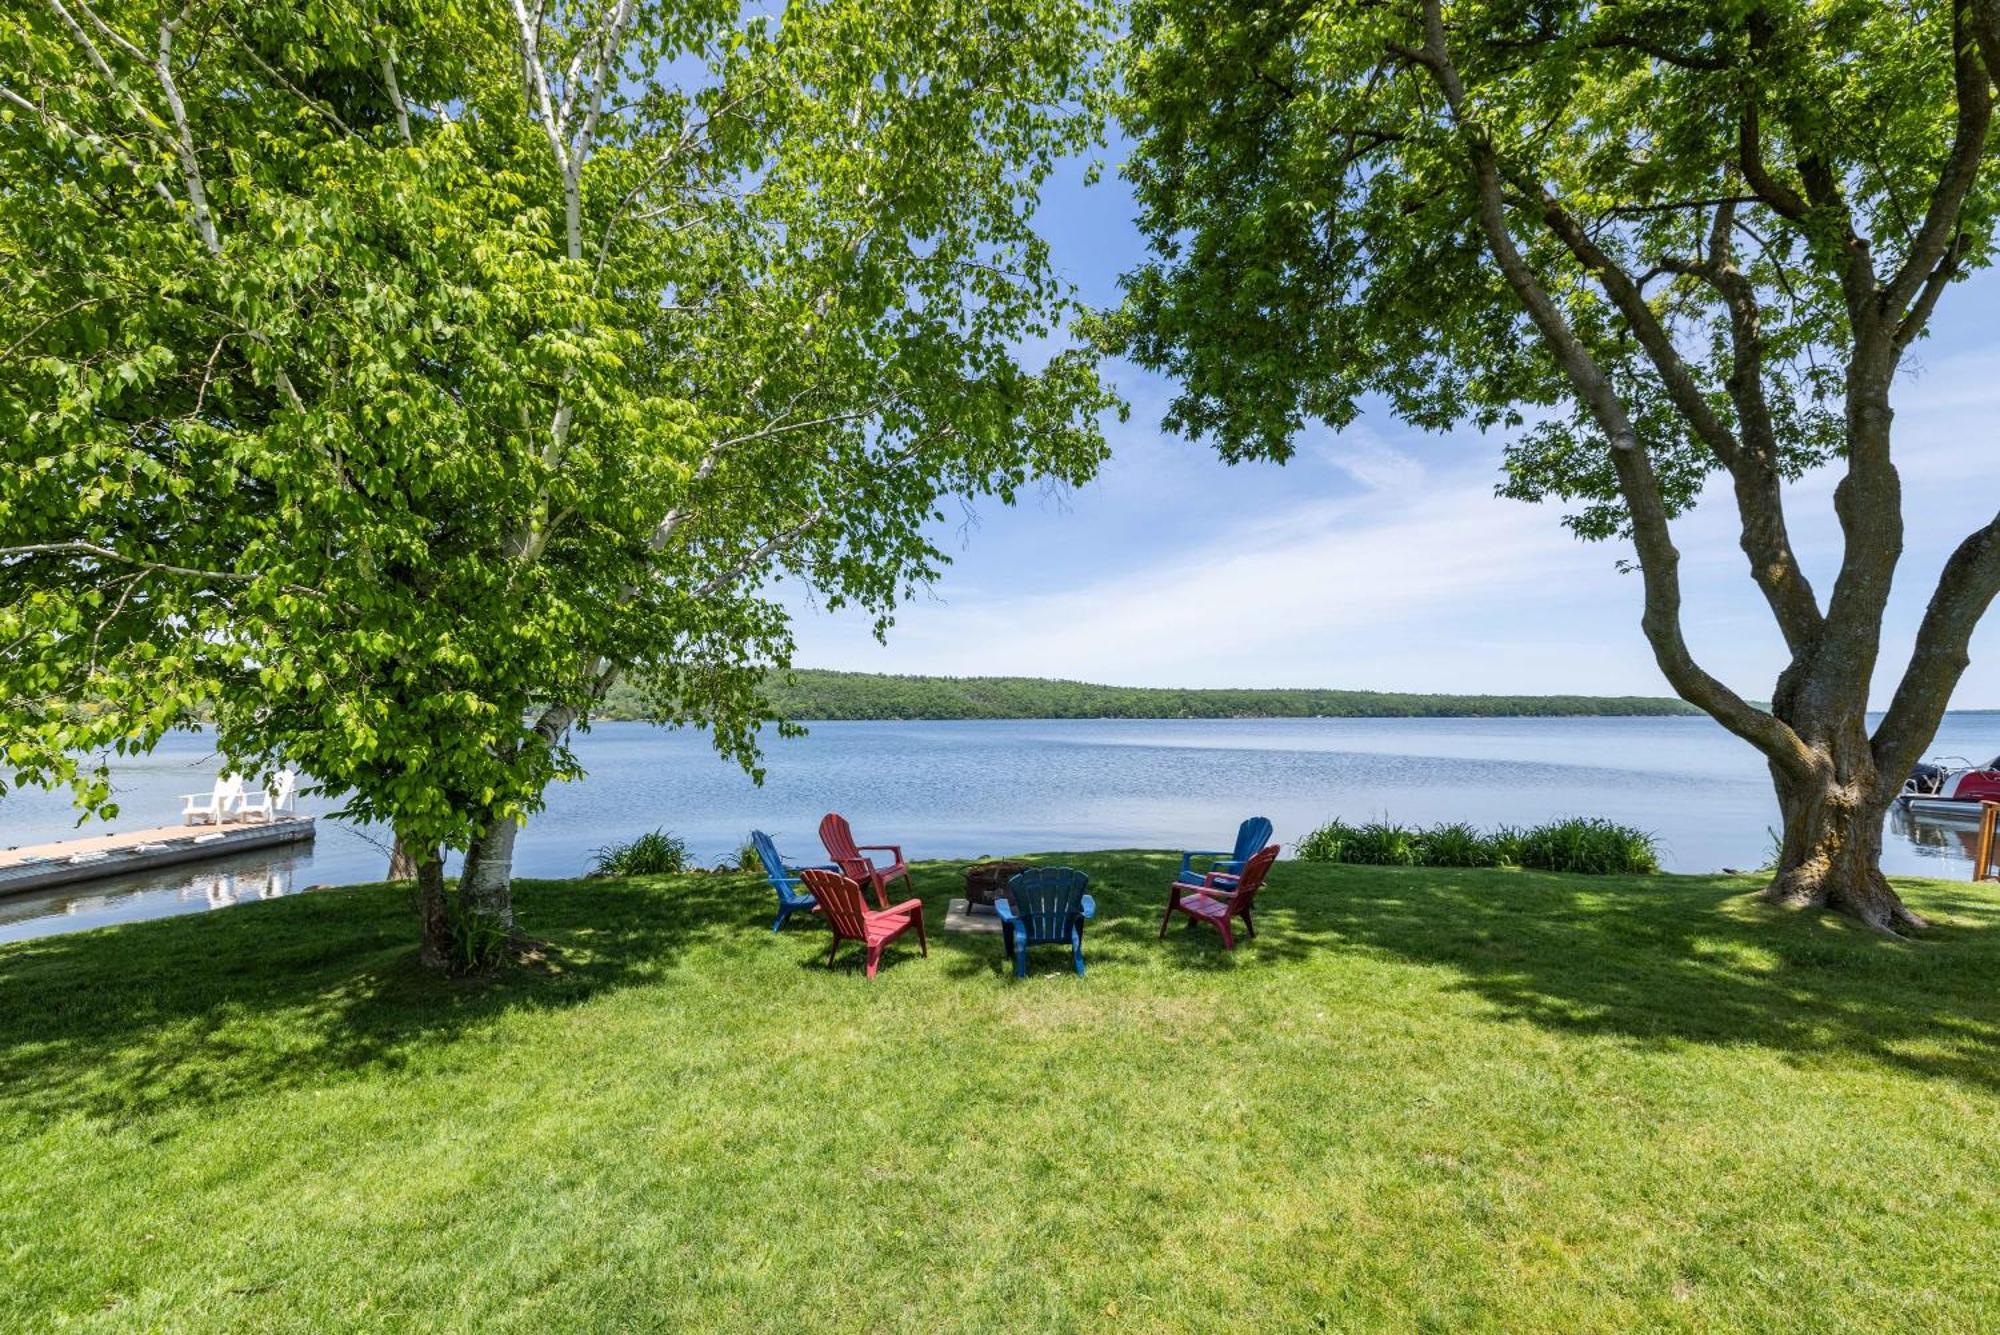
(40, 866)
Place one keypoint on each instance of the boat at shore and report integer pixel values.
(1951, 788)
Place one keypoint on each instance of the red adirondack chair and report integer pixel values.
(840, 846)
(1219, 896)
(846, 910)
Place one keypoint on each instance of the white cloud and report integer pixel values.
(1307, 593)
(1381, 559)
(1371, 461)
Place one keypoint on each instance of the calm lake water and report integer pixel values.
(966, 789)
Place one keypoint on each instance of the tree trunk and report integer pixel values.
(433, 921)
(1831, 856)
(402, 865)
(486, 887)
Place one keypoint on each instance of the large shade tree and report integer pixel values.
(381, 381)
(1658, 244)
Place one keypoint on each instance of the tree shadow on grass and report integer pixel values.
(1684, 960)
(292, 992)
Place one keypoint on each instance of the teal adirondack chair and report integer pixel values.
(1044, 906)
(784, 879)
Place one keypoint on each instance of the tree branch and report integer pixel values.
(395, 90)
(1777, 194)
(77, 547)
(272, 73)
(1659, 561)
(537, 81)
(1940, 232)
(1918, 317)
(1965, 590)
(183, 141)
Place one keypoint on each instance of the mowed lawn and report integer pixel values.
(1420, 1099)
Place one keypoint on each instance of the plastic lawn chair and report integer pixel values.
(784, 878)
(846, 911)
(1252, 835)
(1218, 897)
(1044, 906)
(840, 846)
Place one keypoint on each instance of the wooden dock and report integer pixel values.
(40, 866)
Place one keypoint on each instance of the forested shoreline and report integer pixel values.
(818, 695)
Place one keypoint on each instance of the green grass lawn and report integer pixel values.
(1448, 1100)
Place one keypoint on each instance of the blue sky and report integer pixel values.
(1379, 558)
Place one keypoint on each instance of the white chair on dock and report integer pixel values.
(266, 804)
(214, 806)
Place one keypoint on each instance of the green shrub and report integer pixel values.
(654, 854)
(744, 858)
(1581, 844)
(1326, 844)
(1379, 843)
(1382, 843)
(1588, 844)
(1456, 844)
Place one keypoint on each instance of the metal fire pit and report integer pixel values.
(987, 881)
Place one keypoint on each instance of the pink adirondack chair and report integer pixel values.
(838, 837)
(1219, 896)
(846, 910)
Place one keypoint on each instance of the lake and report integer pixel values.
(963, 789)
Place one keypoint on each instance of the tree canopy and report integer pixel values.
(1651, 243)
(382, 380)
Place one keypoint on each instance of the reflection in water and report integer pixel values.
(1953, 841)
(72, 908)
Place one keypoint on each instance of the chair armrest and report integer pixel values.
(1089, 907)
(1005, 911)
(1187, 859)
(907, 905)
(192, 798)
(897, 849)
(814, 866)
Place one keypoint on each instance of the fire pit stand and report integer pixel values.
(987, 881)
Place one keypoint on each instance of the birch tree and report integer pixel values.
(387, 380)
(1657, 244)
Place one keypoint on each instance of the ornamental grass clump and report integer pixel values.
(1588, 845)
(1457, 844)
(656, 853)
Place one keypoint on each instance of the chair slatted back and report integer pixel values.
(1048, 901)
(1252, 835)
(841, 900)
(774, 866)
(838, 837)
(284, 788)
(1253, 876)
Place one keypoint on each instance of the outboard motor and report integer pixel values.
(1926, 780)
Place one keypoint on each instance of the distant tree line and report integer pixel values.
(821, 695)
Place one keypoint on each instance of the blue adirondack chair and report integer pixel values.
(784, 879)
(1044, 906)
(1251, 836)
